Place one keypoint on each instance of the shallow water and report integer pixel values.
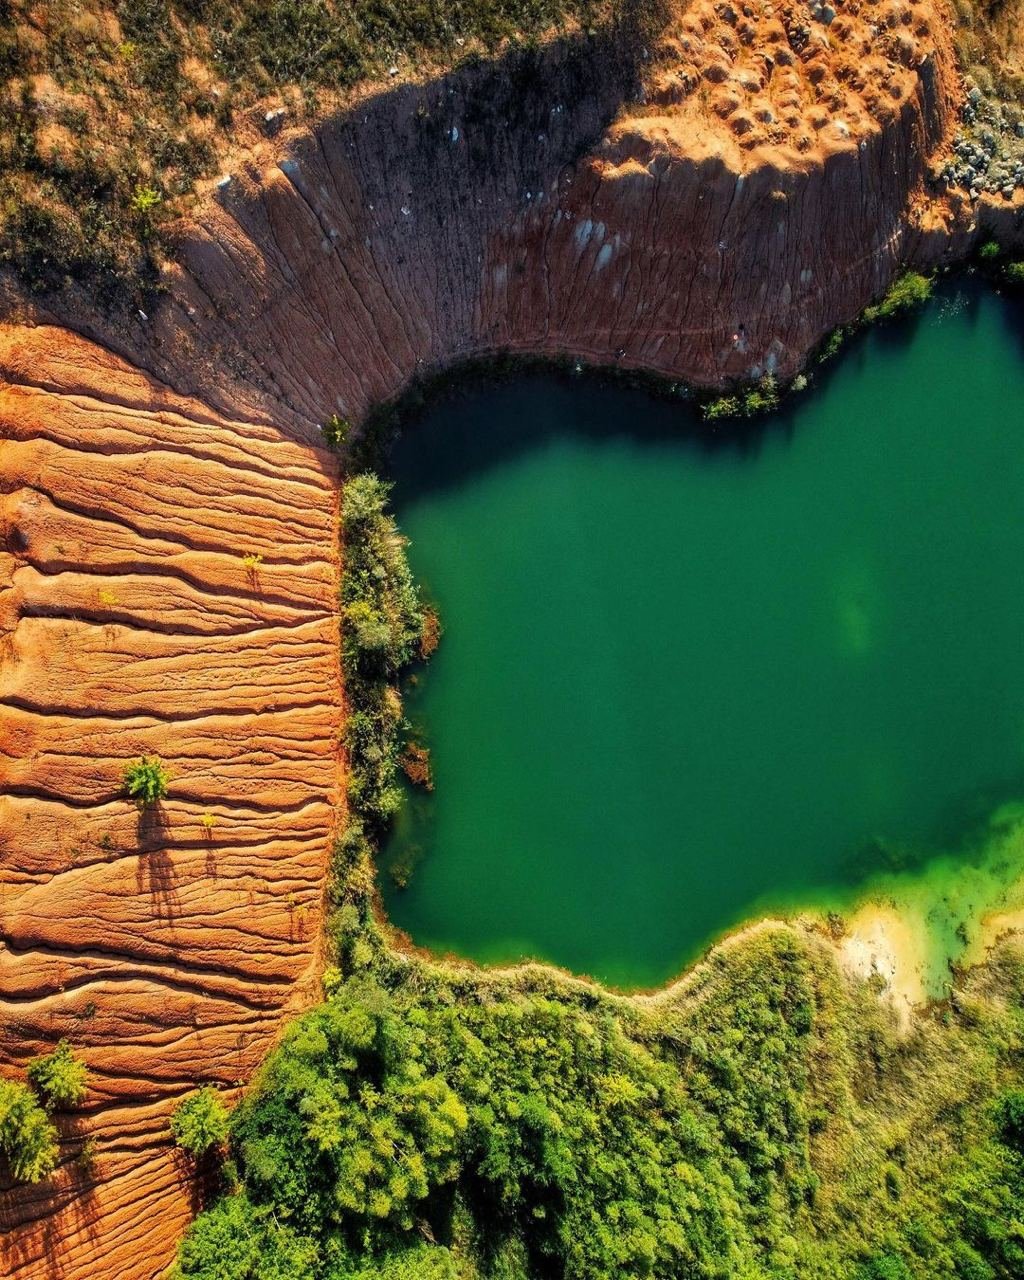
(684, 683)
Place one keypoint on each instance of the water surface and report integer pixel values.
(680, 683)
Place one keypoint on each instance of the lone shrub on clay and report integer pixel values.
(200, 1122)
(145, 781)
(59, 1077)
(28, 1140)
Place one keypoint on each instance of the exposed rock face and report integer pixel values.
(767, 183)
(167, 949)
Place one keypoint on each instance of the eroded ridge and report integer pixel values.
(168, 586)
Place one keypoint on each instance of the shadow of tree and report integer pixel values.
(155, 873)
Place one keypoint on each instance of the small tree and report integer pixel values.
(200, 1122)
(336, 431)
(59, 1077)
(27, 1138)
(145, 781)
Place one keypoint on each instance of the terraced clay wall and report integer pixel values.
(166, 949)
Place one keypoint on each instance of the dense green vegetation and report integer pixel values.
(764, 1119)
(111, 110)
(760, 1122)
(28, 1140)
(200, 1122)
(385, 628)
(59, 1077)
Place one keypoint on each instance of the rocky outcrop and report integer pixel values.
(706, 205)
(167, 945)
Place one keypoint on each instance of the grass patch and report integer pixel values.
(112, 110)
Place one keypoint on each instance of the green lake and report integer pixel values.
(687, 678)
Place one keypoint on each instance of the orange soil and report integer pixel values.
(167, 951)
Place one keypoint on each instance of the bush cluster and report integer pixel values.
(60, 1077)
(28, 1138)
(750, 402)
(200, 1123)
(907, 293)
(765, 1122)
(384, 626)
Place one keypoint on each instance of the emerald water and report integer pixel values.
(686, 678)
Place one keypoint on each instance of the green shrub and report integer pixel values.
(336, 431)
(989, 251)
(145, 781)
(200, 1122)
(60, 1077)
(145, 199)
(722, 407)
(832, 345)
(905, 294)
(1014, 273)
(761, 399)
(384, 628)
(885, 1266)
(28, 1140)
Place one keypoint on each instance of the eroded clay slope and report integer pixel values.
(707, 207)
(168, 945)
